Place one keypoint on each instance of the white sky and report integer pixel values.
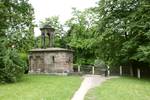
(61, 8)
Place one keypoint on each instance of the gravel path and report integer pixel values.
(90, 81)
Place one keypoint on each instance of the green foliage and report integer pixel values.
(99, 63)
(11, 67)
(116, 31)
(16, 35)
(54, 23)
(17, 16)
(24, 58)
(81, 35)
(123, 36)
(78, 33)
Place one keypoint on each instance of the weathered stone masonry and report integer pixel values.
(51, 60)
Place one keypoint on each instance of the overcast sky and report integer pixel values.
(61, 8)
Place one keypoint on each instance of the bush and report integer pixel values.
(24, 58)
(11, 66)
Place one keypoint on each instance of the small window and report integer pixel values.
(53, 59)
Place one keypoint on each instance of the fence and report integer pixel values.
(90, 69)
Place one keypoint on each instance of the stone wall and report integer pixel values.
(50, 62)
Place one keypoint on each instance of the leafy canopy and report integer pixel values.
(124, 31)
(16, 34)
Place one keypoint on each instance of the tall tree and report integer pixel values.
(16, 33)
(124, 31)
(80, 35)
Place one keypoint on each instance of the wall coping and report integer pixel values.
(50, 50)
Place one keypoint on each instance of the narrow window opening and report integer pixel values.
(53, 59)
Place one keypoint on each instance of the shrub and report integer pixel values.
(11, 66)
(24, 58)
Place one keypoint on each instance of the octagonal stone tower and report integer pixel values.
(50, 60)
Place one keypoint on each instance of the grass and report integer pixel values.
(41, 87)
(124, 88)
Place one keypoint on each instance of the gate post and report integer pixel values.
(120, 70)
(78, 68)
(93, 70)
(108, 71)
(139, 73)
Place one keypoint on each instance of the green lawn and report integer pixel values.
(41, 87)
(123, 88)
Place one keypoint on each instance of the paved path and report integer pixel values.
(90, 81)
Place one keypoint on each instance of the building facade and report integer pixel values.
(51, 60)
